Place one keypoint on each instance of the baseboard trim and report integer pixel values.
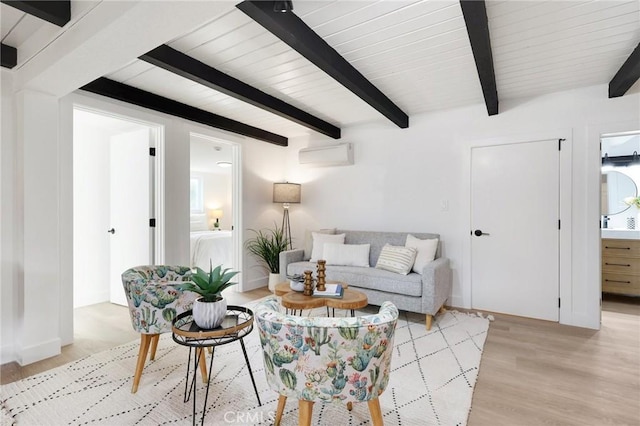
(254, 284)
(457, 301)
(7, 354)
(39, 352)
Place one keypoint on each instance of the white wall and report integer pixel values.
(262, 165)
(8, 266)
(91, 157)
(400, 178)
(38, 238)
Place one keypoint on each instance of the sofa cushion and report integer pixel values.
(318, 244)
(426, 251)
(308, 240)
(379, 239)
(346, 254)
(396, 259)
(366, 278)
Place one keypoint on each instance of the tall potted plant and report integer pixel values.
(266, 245)
(210, 309)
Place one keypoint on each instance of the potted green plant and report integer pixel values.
(266, 245)
(210, 309)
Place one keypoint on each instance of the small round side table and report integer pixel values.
(236, 325)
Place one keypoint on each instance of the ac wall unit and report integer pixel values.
(332, 155)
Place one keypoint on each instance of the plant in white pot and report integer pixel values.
(210, 309)
(266, 245)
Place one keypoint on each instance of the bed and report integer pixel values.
(211, 245)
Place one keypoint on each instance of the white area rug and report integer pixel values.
(431, 383)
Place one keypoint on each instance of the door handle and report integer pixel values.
(478, 233)
(111, 231)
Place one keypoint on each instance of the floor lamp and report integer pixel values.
(286, 193)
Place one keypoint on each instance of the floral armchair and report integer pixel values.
(339, 360)
(154, 301)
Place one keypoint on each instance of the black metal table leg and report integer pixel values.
(193, 383)
(246, 358)
(206, 395)
(188, 388)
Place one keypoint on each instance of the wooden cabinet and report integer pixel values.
(621, 266)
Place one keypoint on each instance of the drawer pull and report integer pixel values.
(617, 248)
(616, 281)
(617, 264)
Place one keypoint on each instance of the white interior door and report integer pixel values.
(130, 207)
(515, 204)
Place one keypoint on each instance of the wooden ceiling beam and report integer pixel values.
(627, 75)
(293, 31)
(185, 66)
(57, 12)
(8, 56)
(475, 18)
(125, 93)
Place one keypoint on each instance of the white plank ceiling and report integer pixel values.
(417, 52)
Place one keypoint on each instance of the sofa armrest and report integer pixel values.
(436, 284)
(287, 257)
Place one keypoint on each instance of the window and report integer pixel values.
(195, 195)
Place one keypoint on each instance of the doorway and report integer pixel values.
(620, 214)
(113, 202)
(215, 237)
(515, 192)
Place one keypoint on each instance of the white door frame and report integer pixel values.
(593, 237)
(565, 249)
(156, 132)
(236, 200)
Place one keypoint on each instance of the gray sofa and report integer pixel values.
(423, 293)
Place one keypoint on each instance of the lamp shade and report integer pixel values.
(286, 192)
(215, 213)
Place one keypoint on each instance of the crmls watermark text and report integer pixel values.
(244, 418)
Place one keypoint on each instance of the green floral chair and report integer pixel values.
(154, 301)
(338, 360)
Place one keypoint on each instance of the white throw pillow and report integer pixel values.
(347, 254)
(308, 240)
(426, 251)
(318, 244)
(396, 259)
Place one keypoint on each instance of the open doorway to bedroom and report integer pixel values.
(214, 203)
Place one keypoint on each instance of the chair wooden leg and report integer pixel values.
(429, 321)
(281, 402)
(350, 405)
(155, 338)
(305, 409)
(145, 340)
(442, 310)
(376, 412)
(202, 362)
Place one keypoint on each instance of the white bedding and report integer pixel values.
(211, 245)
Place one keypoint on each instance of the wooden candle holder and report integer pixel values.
(321, 275)
(308, 284)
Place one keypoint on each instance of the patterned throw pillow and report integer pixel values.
(396, 259)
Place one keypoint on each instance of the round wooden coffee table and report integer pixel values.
(294, 300)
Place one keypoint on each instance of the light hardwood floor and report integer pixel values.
(97, 328)
(532, 372)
